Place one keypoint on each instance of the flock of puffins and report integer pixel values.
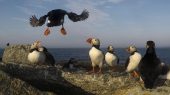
(148, 68)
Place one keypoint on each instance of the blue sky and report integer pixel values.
(116, 22)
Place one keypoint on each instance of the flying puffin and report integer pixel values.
(96, 55)
(36, 55)
(150, 64)
(133, 60)
(56, 18)
(111, 58)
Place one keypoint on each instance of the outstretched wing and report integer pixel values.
(74, 17)
(37, 22)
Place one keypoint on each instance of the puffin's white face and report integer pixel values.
(35, 44)
(131, 49)
(93, 41)
(110, 48)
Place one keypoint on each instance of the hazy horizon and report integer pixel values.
(115, 22)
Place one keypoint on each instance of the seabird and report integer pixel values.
(150, 66)
(133, 60)
(36, 55)
(111, 58)
(96, 55)
(56, 18)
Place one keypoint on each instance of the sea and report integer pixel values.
(81, 54)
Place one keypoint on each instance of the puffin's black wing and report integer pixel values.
(37, 22)
(127, 62)
(74, 17)
(50, 58)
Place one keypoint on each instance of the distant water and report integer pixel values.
(82, 53)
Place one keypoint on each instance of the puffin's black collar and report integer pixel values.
(34, 49)
(133, 53)
(96, 46)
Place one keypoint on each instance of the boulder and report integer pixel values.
(16, 54)
(14, 86)
(45, 79)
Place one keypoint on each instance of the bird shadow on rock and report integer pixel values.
(43, 78)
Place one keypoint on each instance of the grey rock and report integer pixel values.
(14, 86)
(43, 78)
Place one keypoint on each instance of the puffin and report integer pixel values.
(36, 54)
(48, 56)
(150, 66)
(111, 58)
(70, 64)
(56, 18)
(165, 71)
(40, 55)
(96, 55)
(133, 61)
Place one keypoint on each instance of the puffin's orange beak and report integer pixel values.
(89, 40)
(63, 31)
(47, 32)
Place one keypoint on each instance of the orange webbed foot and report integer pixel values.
(63, 31)
(47, 32)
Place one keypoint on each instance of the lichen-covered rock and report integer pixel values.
(19, 54)
(113, 83)
(16, 54)
(43, 78)
(78, 82)
(14, 86)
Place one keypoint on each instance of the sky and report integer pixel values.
(115, 22)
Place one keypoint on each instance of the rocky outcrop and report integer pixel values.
(15, 86)
(53, 80)
(16, 54)
(114, 83)
(42, 79)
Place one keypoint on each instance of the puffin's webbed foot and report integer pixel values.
(47, 31)
(63, 31)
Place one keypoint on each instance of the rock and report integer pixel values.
(14, 86)
(43, 78)
(18, 54)
(113, 83)
(54, 80)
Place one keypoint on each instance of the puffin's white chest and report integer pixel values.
(134, 61)
(96, 56)
(36, 57)
(110, 59)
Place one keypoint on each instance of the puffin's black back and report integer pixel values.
(56, 17)
(149, 66)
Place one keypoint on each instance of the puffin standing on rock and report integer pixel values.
(40, 55)
(133, 60)
(36, 54)
(150, 66)
(56, 18)
(96, 55)
(111, 58)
